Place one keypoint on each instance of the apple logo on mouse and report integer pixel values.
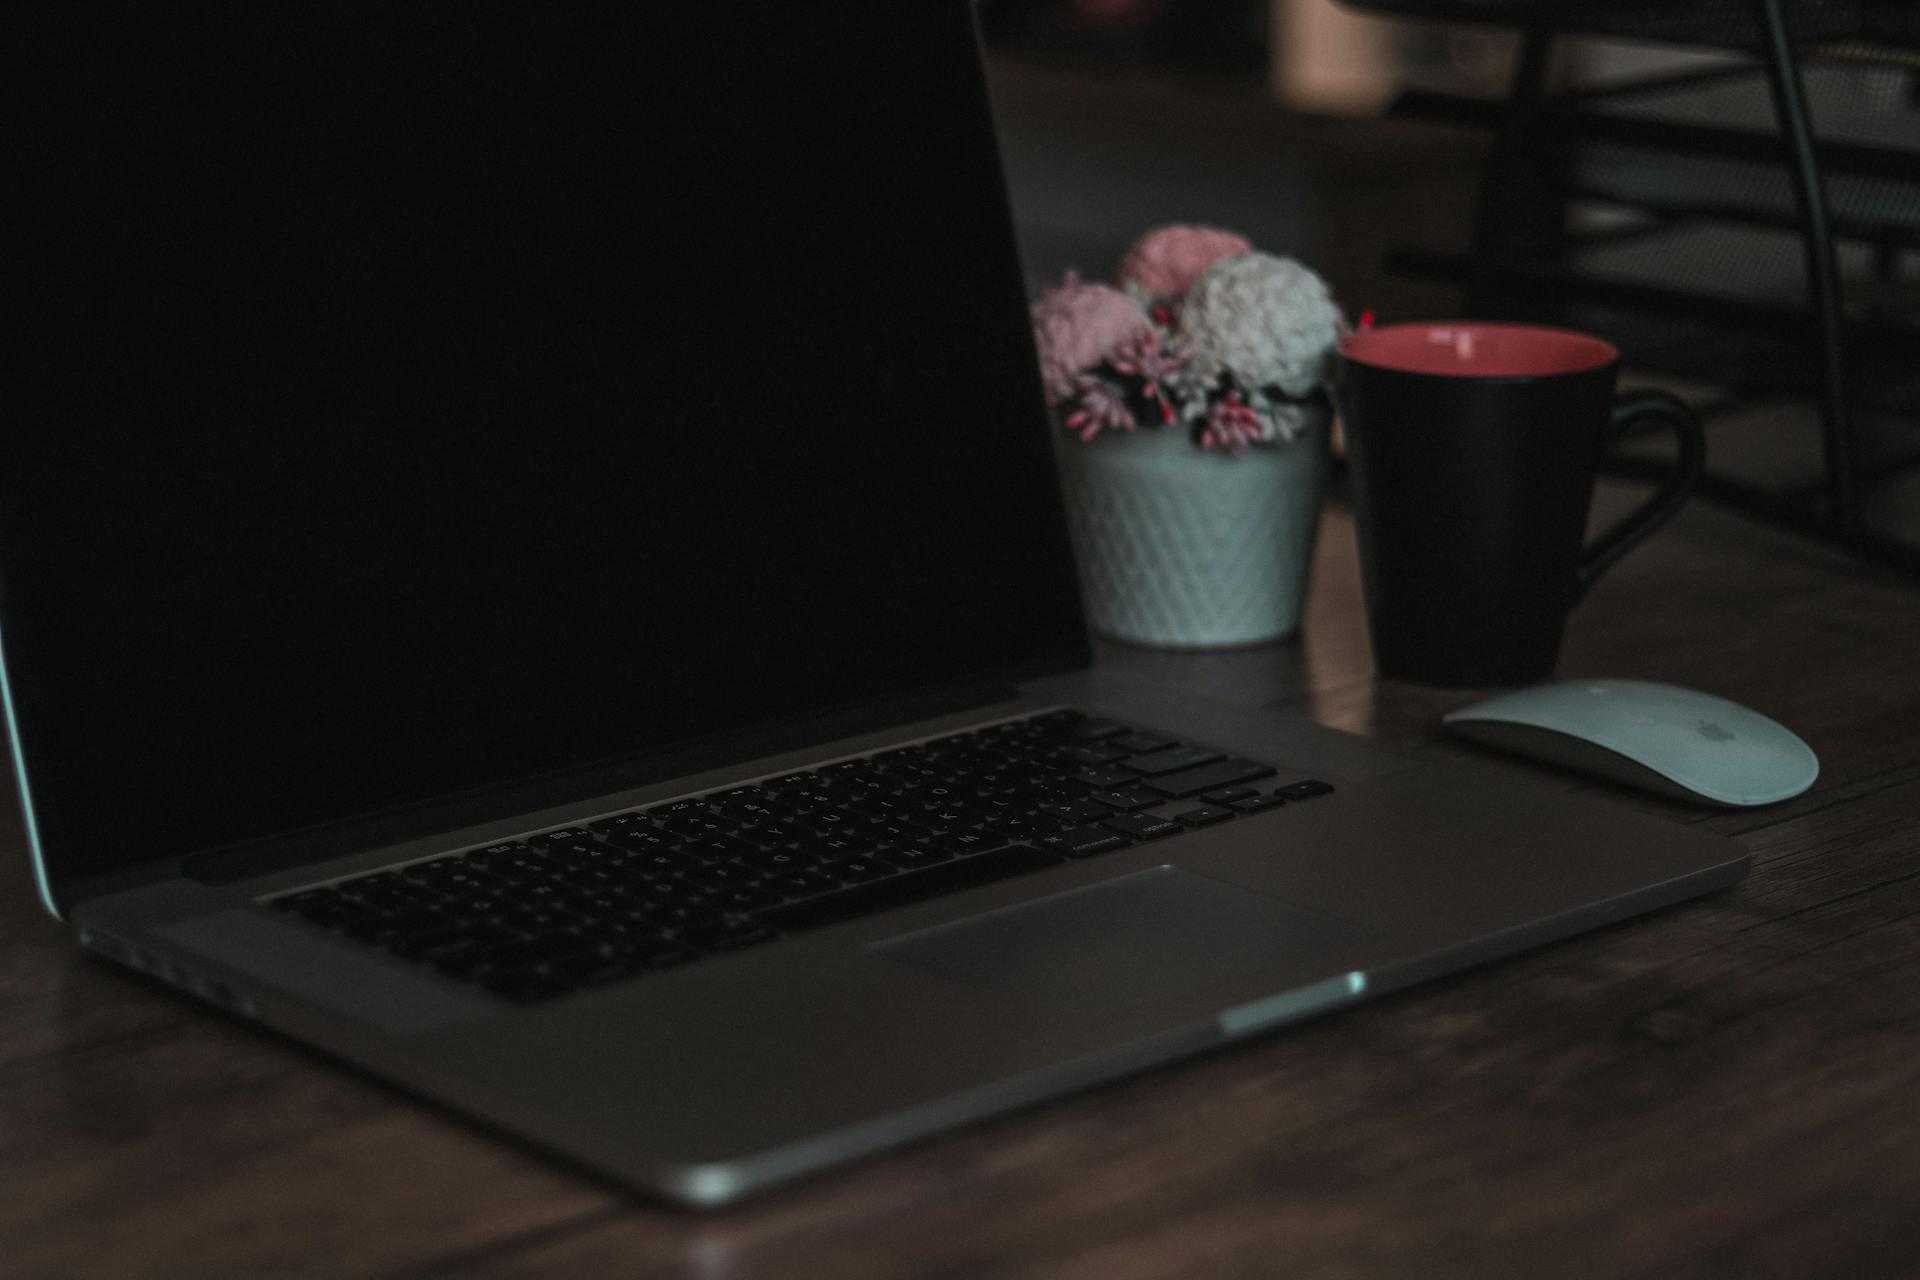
(1713, 732)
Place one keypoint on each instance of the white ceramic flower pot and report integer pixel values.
(1183, 548)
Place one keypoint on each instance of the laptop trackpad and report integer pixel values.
(1139, 939)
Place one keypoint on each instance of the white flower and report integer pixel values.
(1268, 321)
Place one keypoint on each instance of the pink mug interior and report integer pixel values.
(1477, 350)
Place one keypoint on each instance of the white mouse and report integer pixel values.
(1658, 737)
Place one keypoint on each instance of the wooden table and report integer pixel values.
(1730, 1087)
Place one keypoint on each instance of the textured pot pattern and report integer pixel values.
(1181, 548)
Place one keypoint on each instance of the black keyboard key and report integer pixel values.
(1227, 795)
(1106, 777)
(534, 921)
(665, 862)
(449, 876)
(1127, 798)
(1156, 763)
(904, 890)
(1096, 754)
(520, 956)
(1137, 743)
(1082, 842)
(677, 808)
(783, 861)
(667, 955)
(1306, 790)
(909, 857)
(884, 808)
(449, 943)
(896, 832)
(729, 935)
(697, 825)
(829, 822)
(1142, 826)
(681, 915)
(1259, 804)
(639, 839)
(620, 822)
(1019, 827)
(335, 913)
(579, 850)
(741, 901)
(597, 875)
(386, 901)
(1204, 816)
(1094, 730)
(841, 846)
(1208, 777)
(803, 800)
(749, 809)
(559, 837)
(770, 836)
(857, 870)
(717, 848)
(950, 816)
(396, 925)
(667, 891)
(628, 930)
(724, 875)
(527, 868)
(979, 840)
(797, 884)
(1074, 813)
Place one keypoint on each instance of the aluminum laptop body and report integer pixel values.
(457, 424)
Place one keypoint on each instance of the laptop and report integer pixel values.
(530, 562)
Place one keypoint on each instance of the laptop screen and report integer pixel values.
(423, 397)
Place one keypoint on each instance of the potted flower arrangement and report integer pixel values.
(1192, 397)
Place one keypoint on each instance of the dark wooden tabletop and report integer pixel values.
(1730, 1087)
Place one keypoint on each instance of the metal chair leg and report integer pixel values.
(1518, 193)
(1823, 270)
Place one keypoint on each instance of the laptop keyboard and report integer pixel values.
(662, 886)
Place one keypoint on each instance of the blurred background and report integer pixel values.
(1620, 166)
(1260, 115)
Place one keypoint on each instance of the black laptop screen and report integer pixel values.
(425, 396)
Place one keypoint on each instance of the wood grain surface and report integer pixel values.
(1726, 1088)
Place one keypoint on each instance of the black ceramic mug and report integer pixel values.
(1473, 450)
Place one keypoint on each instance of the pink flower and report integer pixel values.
(1102, 406)
(1233, 425)
(1075, 327)
(1165, 261)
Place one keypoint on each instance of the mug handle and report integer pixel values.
(1666, 500)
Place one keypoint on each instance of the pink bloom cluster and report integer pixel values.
(1165, 262)
(1205, 331)
(1076, 326)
